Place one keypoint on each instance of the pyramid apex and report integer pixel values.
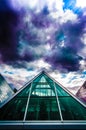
(43, 71)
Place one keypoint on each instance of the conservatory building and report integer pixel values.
(43, 103)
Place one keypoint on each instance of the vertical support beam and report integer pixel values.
(37, 111)
(28, 100)
(58, 102)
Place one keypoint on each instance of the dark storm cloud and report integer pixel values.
(66, 57)
(73, 33)
(23, 32)
(41, 20)
(64, 60)
(45, 10)
(10, 25)
(27, 34)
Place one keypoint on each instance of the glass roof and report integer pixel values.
(43, 99)
(5, 91)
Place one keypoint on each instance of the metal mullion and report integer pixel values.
(58, 103)
(41, 83)
(27, 103)
(44, 88)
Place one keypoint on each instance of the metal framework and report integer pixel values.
(33, 95)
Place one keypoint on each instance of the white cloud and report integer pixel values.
(80, 3)
(64, 16)
(72, 81)
(19, 76)
(18, 4)
(42, 64)
(75, 80)
(39, 65)
(68, 15)
(83, 38)
(38, 4)
(83, 52)
(82, 65)
(55, 4)
(58, 77)
(16, 76)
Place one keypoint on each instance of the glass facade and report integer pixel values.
(5, 91)
(43, 99)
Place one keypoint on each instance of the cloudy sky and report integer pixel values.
(43, 34)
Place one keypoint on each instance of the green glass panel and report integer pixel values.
(43, 108)
(14, 110)
(43, 86)
(43, 104)
(72, 109)
(42, 80)
(24, 92)
(60, 91)
(43, 92)
(49, 80)
(38, 78)
(37, 81)
(42, 89)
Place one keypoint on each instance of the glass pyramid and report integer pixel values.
(5, 90)
(43, 99)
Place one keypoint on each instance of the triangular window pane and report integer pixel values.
(60, 91)
(43, 80)
(42, 83)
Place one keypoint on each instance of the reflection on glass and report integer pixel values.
(41, 108)
(43, 104)
(71, 109)
(42, 100)
(14, 110)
